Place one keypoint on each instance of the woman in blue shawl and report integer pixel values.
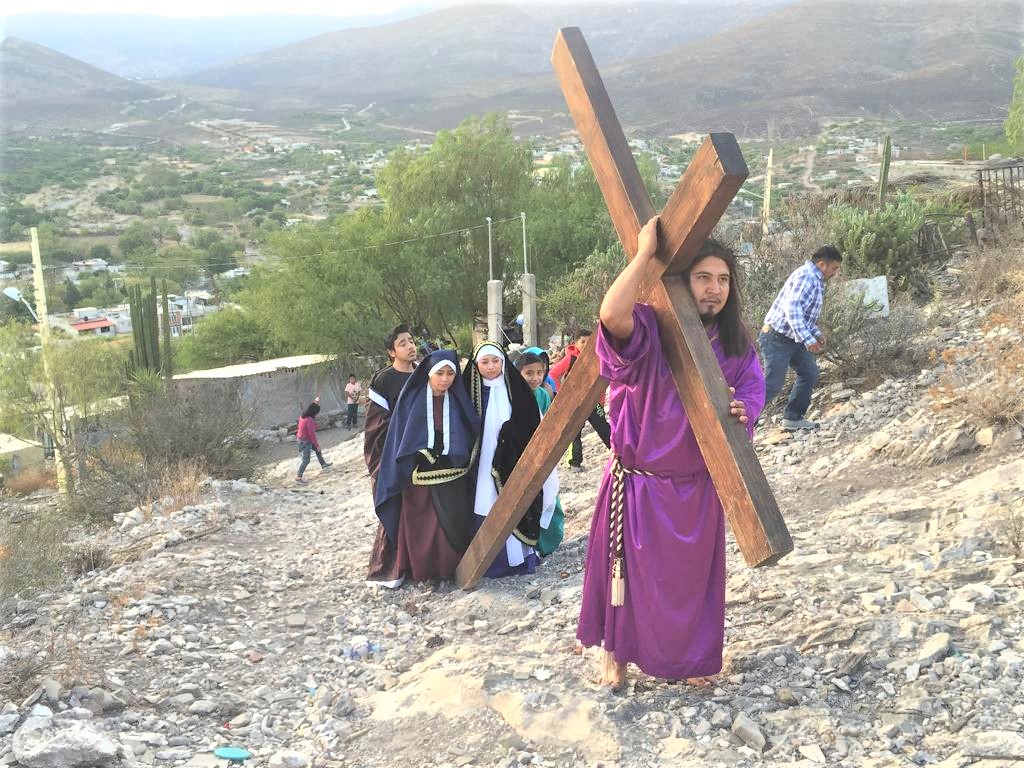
(424, 497)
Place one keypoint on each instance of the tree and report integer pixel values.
(567, 220)
(477, 170)
(423, 257)
(327, 277)
(1014, 125)
(138, 239)
(220, 254)
(84, 375)
(574, 302)
(179, 263)
(72, 296)
(100, 251)
(227, 337)
(166, 230)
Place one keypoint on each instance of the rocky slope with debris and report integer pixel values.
(891, 636)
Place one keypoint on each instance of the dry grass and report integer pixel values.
(29, 551)
(61, 656)
(182, 482)
(985, 381)
(49, 544)
(84, 556)
(119, 478)
(994, 273)
(30, 480)
(1010, 529)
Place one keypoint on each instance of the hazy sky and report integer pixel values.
(225, 7)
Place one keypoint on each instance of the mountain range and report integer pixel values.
(742, 65)
(145, 46)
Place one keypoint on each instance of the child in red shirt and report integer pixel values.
(308, 443)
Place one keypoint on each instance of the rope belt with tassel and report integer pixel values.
(616, 522)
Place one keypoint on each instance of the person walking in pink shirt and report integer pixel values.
(308, 444)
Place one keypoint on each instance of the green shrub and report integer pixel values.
(575, 300)
(882, 242)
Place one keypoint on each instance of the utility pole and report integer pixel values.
(65, 479)
(766, 205)
(494, 291)
(529, 297)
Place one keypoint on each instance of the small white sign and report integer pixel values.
(875, 291)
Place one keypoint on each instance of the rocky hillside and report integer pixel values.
(40, 87)
(469, 50)
(669, 66)
(908, 60)
(892, 636)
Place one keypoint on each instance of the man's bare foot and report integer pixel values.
(613, 673)
(702, 682)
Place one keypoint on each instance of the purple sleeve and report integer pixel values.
(622, 362)
(749, 383)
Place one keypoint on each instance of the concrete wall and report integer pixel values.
(278, 398)
(14, 461)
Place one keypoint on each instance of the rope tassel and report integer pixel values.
(618, 583)
(616, 538)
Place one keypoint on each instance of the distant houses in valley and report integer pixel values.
(184, 312)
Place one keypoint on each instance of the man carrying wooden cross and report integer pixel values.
(654, 587)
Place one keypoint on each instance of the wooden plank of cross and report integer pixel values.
(701, 198)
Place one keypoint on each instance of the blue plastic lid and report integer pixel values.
(231, 753)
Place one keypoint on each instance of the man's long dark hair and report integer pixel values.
(732, 331)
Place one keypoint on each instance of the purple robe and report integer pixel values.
(672, 624)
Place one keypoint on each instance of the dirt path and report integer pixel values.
(893, 629)
(806, 180)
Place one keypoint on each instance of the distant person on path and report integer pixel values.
(382, 396)
(552, 524)
(424, 496)
(508, 418)
(597, 418)
(352, 392)
(308, 443)
(791, 338)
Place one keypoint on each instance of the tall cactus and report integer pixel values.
(152, 327)
(145, 329)
(883, 172)
(168, 368)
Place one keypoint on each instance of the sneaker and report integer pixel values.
(791, 425)
(576, 467)
(301, 481)
(328, 464)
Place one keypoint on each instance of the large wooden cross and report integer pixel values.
(700, 199)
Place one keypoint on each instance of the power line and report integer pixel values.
(462, 231)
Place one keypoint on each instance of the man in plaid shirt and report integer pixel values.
(791, 338)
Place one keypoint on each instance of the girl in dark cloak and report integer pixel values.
(423, 495)
(509, 416)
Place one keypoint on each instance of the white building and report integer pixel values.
(84, 268)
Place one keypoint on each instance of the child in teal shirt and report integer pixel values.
(534, 370)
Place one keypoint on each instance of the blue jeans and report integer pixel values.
(779, 353)
(305, 454)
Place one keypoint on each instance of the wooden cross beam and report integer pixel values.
(701, 198)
